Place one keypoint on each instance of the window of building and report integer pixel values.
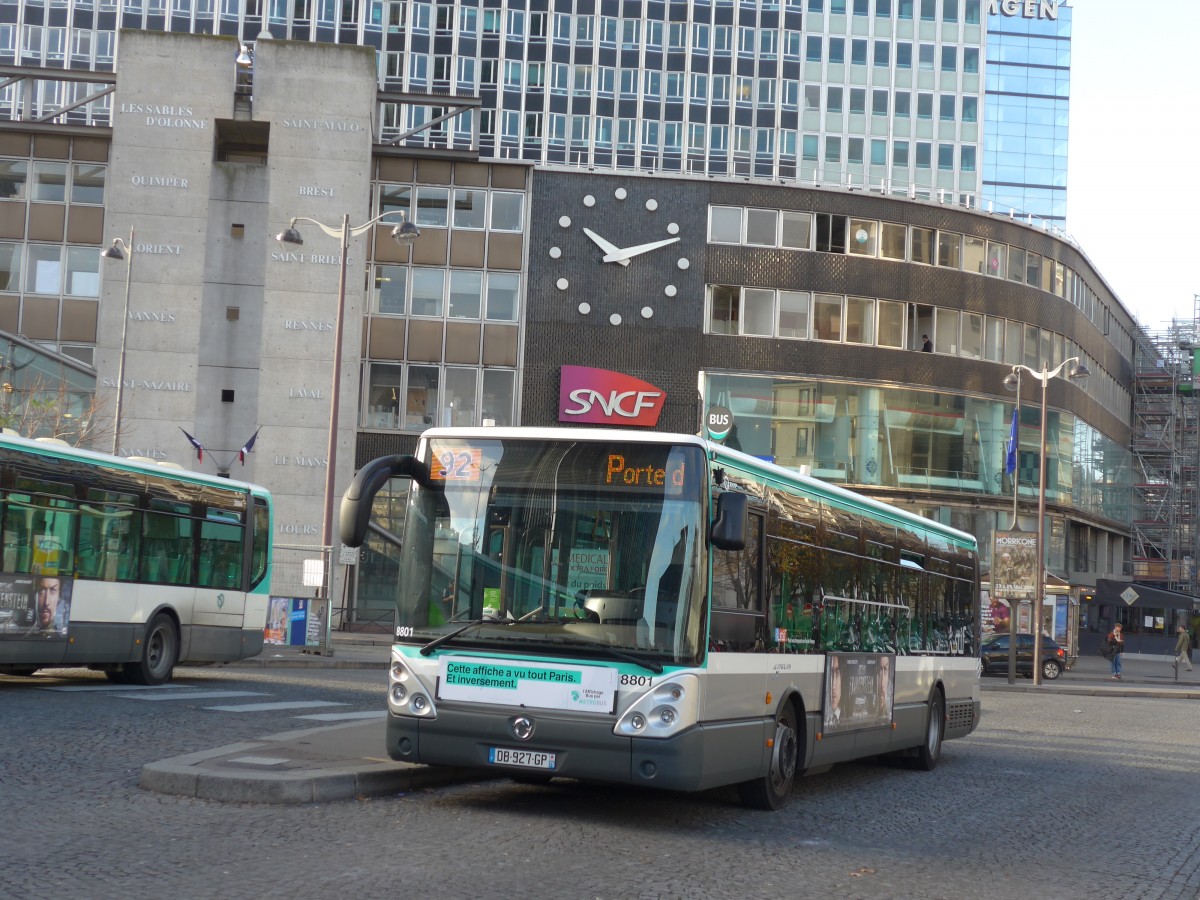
(48, 183)
(949, 249)
(466, 293)
(724, 307)
(10, 266)
(878, 152)
(864, 237)
(900, 154)
(925, 54)
(883, 54)
(924, 156)
(812, 48)
(391, 283)
(497, 397)
(469, 206)
(974, 252)
(854, 150)
(837, 50)
(972, 336)
(758, 312)
(924, 106)
(833, 99)
(796, 233)
(83, 272)
(503, 289)
(508, 211)
(890, 332)
(725, 224)
(893, 241)
(949, 59)
(794, 314)
(43, 269)
(858, 52)
(762, 227)
(1016, 264)
(833, 149)
(827, 317)
(432, 205)
(422, 398)
(904, 54)
(997, 259)
(946, 107)
(860, 320)
(428, 290)
(945, 330)
(922, 244)
(87, 184)
(967, 159)
(858, 100)
(993, 339)
(879, 103)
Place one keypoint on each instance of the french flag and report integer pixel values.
(195, 443)
(248, 446)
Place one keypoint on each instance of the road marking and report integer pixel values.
(193, 695)
(118, 687)
(269, 707)
(345, 717)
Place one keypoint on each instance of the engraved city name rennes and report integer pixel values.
(306, 325)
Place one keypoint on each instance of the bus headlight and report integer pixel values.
(663, 711)
(420, 705)
(399, 694)
(407, 693)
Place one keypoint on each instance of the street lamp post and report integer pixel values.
(115, 252)
(1079, 373)
(405, 233)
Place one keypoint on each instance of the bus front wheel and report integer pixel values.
(160, 649)
(771, 790)
(926, 757)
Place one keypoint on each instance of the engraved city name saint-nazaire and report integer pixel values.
(165, 116)
(140, 384)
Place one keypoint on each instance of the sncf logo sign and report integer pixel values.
(601, 397)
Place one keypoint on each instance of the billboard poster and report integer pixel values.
(859, 689)
(277, 619)
(1014, 565)
(36, 607)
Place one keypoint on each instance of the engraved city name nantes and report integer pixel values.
(165, 116)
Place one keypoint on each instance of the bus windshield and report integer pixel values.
(551, 546)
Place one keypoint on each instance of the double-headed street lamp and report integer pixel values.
(1078, 373)
(404, 233)
(115, 252)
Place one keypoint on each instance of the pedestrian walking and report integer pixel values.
(1183, 644)
(1116, 646)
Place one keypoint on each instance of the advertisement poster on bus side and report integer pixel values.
(859, 689)
(34, 607)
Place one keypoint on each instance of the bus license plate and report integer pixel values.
(529, 759)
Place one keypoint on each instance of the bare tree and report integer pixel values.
(45, 407)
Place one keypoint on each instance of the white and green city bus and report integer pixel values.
(659, 610)
(125, 566)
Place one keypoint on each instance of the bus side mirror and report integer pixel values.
(729, 526)
(354, 517)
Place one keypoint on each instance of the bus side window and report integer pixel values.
(738, 619)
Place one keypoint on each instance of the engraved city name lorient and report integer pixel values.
(306, 325)
(162, 249)
(165, 116)
(167, 181)
(141, 384)
(315, 191)
(322, 124)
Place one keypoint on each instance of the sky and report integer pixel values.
(1133, 169)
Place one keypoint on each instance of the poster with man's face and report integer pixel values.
(859, 689)
(34, 607)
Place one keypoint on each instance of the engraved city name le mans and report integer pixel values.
(311, 462)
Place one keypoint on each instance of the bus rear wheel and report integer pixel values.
(771, 791)
(926, 757)
(160, 649)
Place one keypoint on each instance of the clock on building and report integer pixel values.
(636, 234)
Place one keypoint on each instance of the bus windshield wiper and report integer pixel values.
(612, 652)
(451, 635)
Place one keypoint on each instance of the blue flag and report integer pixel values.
(1011, 461)
(195, 443)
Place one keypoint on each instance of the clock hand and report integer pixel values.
(604, 245)
(630, 252)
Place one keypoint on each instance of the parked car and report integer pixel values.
(993, 656)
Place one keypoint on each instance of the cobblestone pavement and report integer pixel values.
(1056, 796)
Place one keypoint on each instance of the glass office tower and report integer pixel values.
(1026, 111)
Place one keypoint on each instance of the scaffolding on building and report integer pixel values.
(1166, 453)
